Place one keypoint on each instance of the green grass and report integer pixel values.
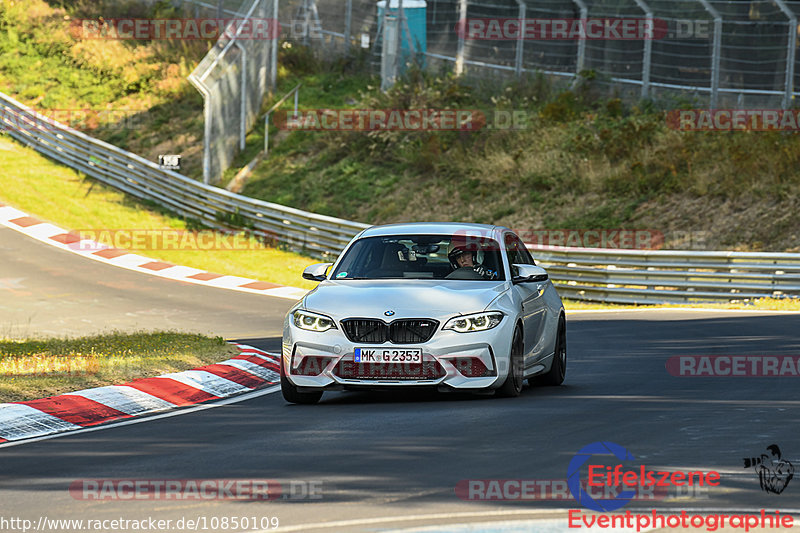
(36, 368)
(60, 195)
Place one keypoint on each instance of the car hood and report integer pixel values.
(407, 298)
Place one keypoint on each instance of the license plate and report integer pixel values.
(388, 355)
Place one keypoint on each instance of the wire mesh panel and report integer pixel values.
(754, 46)
(794, 7)
(487, 42)
(683, 45)
(615, 58)
(443, 19)
(556, 55)
(234, 77)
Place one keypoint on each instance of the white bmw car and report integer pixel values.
(459, 307)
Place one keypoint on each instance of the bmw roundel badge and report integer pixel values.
(389, 313)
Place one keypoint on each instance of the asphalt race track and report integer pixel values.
(385, 461)
(47, 291)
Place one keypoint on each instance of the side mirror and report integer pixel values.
(529, 273)
(317, 271)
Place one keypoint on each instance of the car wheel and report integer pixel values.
(512, 386)
(558, 370)
(292, 395)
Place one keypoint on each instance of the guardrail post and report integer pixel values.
(791, 49)
(648, 48)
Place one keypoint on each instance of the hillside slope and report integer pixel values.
(584, 161)
(133, 94)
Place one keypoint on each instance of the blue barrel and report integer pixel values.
(416, 13)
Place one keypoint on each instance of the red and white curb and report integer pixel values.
(251, 369)
(55, 236)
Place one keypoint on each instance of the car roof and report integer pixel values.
(433, 228)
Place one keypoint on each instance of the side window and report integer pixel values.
(517, 253)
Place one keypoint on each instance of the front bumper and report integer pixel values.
(449, 360)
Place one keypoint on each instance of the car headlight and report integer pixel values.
(312, 321)
(475, 322)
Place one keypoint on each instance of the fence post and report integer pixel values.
(307, 21)
(580, 61)
(243, 97)
(648, 49)
(520, 39)
(790, 53)
(348, 19)
(716, 52)
(207, 118)
(275, 41)
(462, 26)
(398, 44)
(391, 29)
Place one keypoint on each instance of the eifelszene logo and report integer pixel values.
(612, 477)
(774, 473)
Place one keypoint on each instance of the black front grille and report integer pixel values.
(403, 331)
(412, 331)
(365, 330)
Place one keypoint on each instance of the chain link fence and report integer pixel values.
(719, 53)
(234, 77)
(736, 54)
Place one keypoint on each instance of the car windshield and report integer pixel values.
(422, 257)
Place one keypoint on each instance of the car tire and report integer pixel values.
(558, 370)
(292, 395)
(512, 386)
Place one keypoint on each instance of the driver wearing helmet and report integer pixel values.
(461, 257)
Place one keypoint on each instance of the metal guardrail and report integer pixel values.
(594, 274)
(666, 276)
(309, 233)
